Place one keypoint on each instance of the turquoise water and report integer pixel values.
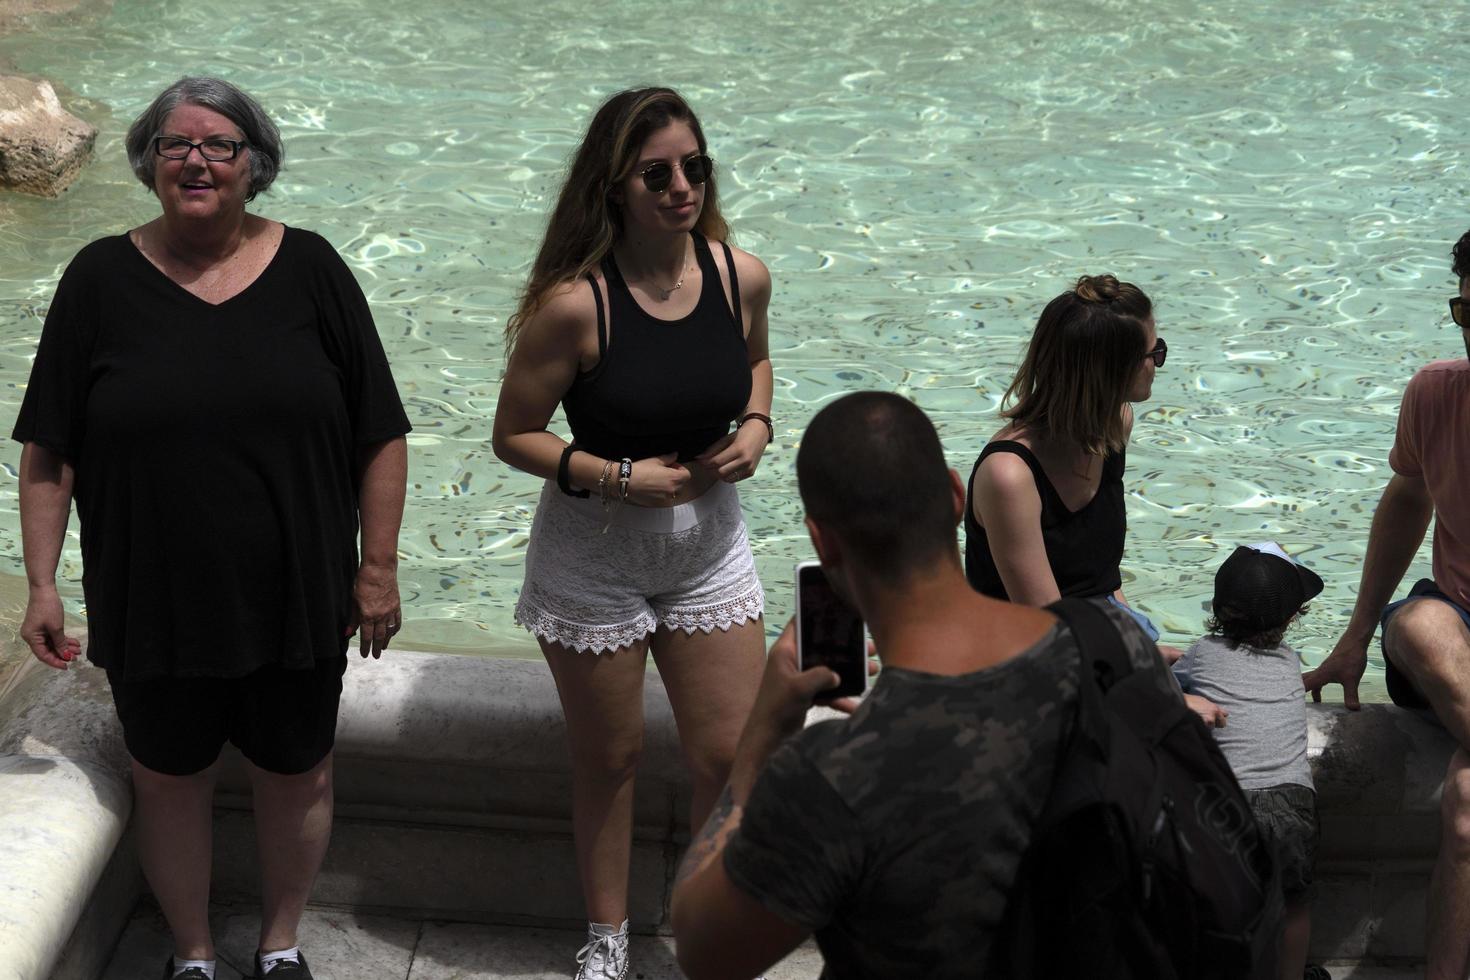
(1284, 180)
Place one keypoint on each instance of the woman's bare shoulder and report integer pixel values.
(565, 325)
(1004, 484)
(754, 277)
(1005, 472)
(568, 305)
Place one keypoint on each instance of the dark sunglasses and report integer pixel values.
(1457, 312)
(176, 148)
(658, 176)
(1160, 351)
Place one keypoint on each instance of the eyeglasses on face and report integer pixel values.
(1457, 312)
(1160, 351)
(215, 151)
(658, 176)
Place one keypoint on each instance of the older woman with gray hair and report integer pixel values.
(210, 389)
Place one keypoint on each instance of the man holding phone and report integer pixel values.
(894, 834)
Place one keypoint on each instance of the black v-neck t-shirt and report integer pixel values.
(215, 451)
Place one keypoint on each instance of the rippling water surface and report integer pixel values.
(1284, 180)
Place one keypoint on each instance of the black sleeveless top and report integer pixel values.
(1084, 547)
(662, 386)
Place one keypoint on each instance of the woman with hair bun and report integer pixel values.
(650, 331)
(1046, 515)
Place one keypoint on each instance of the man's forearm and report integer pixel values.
(750, 758)
(757, 742)
(710, 842)
(1399, 525)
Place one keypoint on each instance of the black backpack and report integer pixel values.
(1146, 862)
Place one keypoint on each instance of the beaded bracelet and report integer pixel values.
(625, 472)
(770, 426)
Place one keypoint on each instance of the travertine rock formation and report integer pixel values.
(23, 15)
(42, 146)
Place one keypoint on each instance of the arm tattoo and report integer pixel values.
(711, 841)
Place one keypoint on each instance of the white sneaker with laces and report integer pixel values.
(605, 957)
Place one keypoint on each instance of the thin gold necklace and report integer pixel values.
(664, 294)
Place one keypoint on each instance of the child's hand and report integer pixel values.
(1171, 654)
(1209, 712)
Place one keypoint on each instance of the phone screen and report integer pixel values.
(830, 632)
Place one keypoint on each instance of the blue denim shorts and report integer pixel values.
(1401, 690)
(1144, 623)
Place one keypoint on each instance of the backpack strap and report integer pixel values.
(1098, 642)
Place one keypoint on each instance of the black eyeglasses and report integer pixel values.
(215, 151)
(1457, 312)
(658, 176)
(1160, 351)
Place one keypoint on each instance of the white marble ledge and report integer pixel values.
(482, 712)
(59, 823)
(479, 712)
(1381, 761)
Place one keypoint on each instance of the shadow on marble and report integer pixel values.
(145, 944)
(454, 951)
(339, 945)
(1361, 971)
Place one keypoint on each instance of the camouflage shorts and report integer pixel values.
(1287, 816)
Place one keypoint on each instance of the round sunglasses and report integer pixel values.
(1457, 312)
(658, 176)
(1160, 351)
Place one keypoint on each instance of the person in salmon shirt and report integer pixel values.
(1426, 635)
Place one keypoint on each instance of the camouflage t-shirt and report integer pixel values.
(895, 834)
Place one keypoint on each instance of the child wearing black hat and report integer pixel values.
(1243, 667)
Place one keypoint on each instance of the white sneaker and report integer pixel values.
(605, 957)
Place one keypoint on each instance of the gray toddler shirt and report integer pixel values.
(1265, 737)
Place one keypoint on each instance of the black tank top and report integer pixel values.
(662, 386)
(1083, 547)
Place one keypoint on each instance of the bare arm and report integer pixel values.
(46, 480)
(383, 478)
(548, 354)
(1007, 505)
(737, 455)
(1127, 437)
(724, 933)
(1398, 528)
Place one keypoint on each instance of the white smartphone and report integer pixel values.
(829, 632)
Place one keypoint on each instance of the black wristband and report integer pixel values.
(770, 426)
(563, 473)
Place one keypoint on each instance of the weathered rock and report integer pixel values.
(17, 16)
(42, 146)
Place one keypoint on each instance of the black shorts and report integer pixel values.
(1401, 690)
(284, 721)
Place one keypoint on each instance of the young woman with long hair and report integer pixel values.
(1046, 516)
(650, 331)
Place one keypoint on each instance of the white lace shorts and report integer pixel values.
(685, 567)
